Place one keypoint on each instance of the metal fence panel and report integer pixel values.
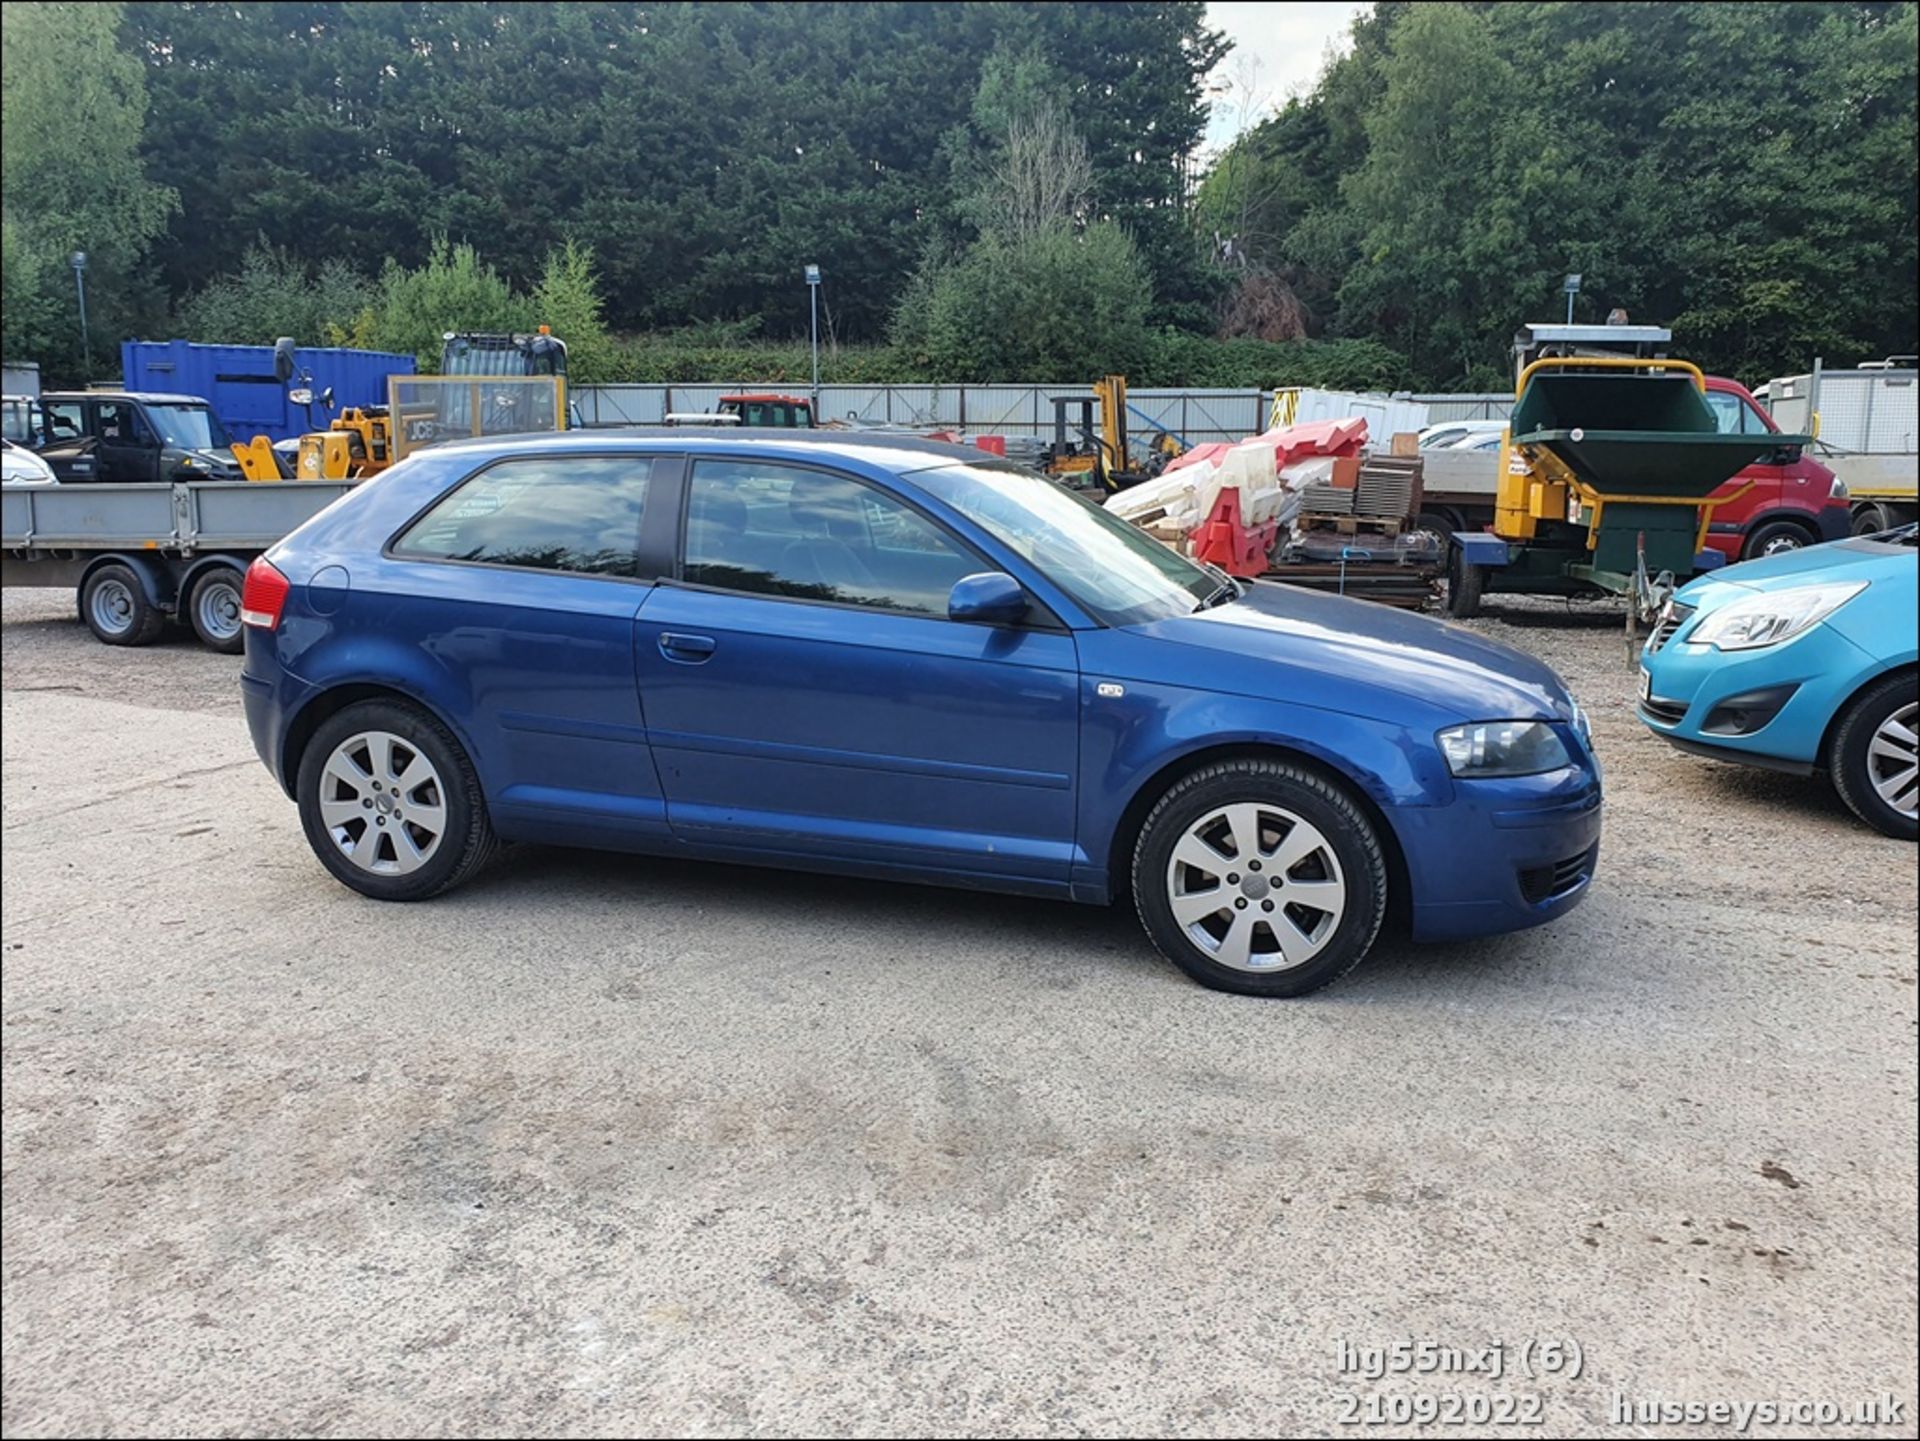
(1466, 405)
(606, 405)
(1194, 414)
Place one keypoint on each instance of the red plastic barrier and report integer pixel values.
(1227, 542)
(1212, 450)
(992, 444)
(1224, 538)
(1291, 442)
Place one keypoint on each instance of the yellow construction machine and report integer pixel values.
(361, 441)
(1090, 450)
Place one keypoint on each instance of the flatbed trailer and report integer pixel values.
(140, 555)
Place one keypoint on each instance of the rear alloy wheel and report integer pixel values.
(115, 607)
(215, 610)
(1261, 878)
(390, 803)
(1875, 757)
(1776, 537)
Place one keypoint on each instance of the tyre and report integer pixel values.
(1775, 537)
(1437, 523)
(114, 604)
(1261, 878)
(1465, 581)
(1871, 756)
(1872, 519)
(390, 803)
(214, 610)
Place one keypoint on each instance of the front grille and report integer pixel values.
(1546, 883)
(1667, 712)
(1671, 619)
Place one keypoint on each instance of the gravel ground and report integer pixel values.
(608, 1145)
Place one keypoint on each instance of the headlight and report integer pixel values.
(1502, 748)
(189, 462)
(1772, 617)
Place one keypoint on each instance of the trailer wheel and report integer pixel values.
(214, 610)
(115, 607)
(1465, 581)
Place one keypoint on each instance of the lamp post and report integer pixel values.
(78, 260)
(1572, 286)
(813, 299)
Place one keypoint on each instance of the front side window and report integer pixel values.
(786, 531)
(562, 513)
(120, 424)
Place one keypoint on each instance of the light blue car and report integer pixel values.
(1800, 662)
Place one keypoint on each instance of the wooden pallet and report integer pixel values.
(1352, 524)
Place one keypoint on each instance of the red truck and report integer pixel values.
(1793, 501)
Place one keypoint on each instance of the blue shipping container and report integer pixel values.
(239, 383)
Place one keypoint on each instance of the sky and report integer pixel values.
(1278, 50)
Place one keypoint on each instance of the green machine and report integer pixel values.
(1608, 474)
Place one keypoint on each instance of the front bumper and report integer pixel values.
(1835, 522)
(1768, 707)
(1507, 854)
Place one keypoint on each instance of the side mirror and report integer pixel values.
(301, 396)
(991, 598)
(283, 365)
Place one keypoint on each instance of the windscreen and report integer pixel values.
(190, 427)
(1119, 573)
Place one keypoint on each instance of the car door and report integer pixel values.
(129, 451)
(515, 594)
(806, 693)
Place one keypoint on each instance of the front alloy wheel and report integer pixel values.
(1257, 888)
(1260, 877)
(1874, 756)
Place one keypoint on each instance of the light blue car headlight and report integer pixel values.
(1487, 749)
(1772, 616)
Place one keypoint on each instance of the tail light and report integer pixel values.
(264, 596)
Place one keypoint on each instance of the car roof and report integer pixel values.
(163, 397)
(898, 453)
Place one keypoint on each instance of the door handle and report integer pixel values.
(690, 649)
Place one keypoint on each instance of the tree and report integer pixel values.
(455, 290)
(1053, 305)
(1740, 172)
(704, 153)
(1044, 291)
(567, 299)
(71, 175)
(271, 296)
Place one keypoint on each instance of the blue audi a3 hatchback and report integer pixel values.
(899, 659)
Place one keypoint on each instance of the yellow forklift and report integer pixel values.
(1090, 450)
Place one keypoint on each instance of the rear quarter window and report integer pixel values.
(575, 515)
